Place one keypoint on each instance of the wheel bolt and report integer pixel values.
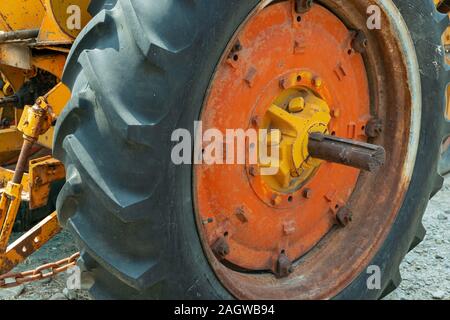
(307, 193)
(253, 171)
(344, 216)
(302, 6)
(276, 200)
(284, 266)
(374, 128)
(221, 248)
(318, 82)
(360, 42)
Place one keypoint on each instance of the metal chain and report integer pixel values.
(11, 280)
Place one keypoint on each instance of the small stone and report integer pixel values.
(11, 293)
(58, 296)
(439, 257)
(438, 295)
(70, 294)
(442, 217)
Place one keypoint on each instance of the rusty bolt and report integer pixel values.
(236, 48)
(360, 42)
(336, 113)
(256, 121)
(208, 221)
(252, 171)
(37, 181)
(283, 83)
(344, 216)
(221, 248)
(284, 266)
(307, 193)
(241, 214)
(302, 6)
(374, 128)
(275, 200)
(318, 82)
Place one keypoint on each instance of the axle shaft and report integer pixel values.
(360, 155)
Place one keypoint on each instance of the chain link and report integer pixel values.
(45, 271)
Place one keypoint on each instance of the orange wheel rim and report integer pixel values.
(273, 48)
(247, 227)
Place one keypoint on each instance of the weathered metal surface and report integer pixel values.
(28, 243)
(6, 36)
(31, 13)
(255, 92)
(34, 121)
(15, 55)
(360, 155)
(320, 273)
(43, 172)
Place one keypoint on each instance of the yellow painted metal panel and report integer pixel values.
(21, 14)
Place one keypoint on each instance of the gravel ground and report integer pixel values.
(425, 270)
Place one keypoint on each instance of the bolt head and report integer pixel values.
(307, 193)
(275, 200)
(253, 171)
(374, 128)
(336, 113)
(318, 82)
(344, 216)
(284, 266)
(256, 121)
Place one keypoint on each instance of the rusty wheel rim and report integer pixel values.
(249, 238)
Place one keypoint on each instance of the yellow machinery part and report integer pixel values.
(42, 173)
(57, 98)
(10, 142)
(21, 14)
(306, 113)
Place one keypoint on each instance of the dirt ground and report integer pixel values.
(425, 271)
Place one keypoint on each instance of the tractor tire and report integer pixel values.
(138, 71)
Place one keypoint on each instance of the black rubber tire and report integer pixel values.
(139, 70)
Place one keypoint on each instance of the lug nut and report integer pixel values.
(297, 105)
(344, 216)
(336, 113)
(302, 6)
(221, 248)
(360, 42)
(318, 82)
(276, 200)
(253, 171)
(256, 121)
(307, 193)
(284, 266)
(374, 128)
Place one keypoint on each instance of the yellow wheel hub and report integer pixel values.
(295, 114)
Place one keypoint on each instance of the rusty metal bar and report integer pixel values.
(360, 155)
(18, 35)
(23, 160)
(30, 242)
(302, 6)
